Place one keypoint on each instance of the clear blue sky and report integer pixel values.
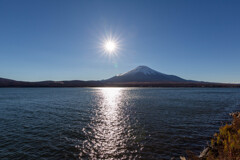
(59, 39)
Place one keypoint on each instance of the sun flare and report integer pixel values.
(110, 46)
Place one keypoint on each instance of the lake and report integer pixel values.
(110, 123)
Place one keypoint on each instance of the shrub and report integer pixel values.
(226, 144)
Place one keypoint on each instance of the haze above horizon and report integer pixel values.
(61, 40)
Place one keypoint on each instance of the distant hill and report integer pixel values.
(8, 82)
(145, 74)
(74, 83)
(142, 76)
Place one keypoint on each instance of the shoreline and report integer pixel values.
(6, 83)
(225, 145)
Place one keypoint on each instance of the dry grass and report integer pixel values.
(225, 145)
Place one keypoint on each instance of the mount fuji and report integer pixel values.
(145, 74)
(142, 76)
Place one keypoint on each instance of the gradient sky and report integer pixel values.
(59, 39)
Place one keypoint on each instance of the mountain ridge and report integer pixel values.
(141, 76)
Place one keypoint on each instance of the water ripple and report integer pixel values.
(110, 123)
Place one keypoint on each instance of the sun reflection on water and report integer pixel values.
(109, 134)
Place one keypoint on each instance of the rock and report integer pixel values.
(204, 152)
(182, 158)
(237, 114)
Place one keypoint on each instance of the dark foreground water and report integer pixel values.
(110, 123)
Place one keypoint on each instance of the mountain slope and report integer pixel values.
(145, 74)
(72, 83)
(8, 82)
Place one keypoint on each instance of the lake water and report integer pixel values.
(110, 123)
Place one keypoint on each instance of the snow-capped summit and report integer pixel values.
(142, 69)
(145, 74)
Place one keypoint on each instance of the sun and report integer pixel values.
(110, 46)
